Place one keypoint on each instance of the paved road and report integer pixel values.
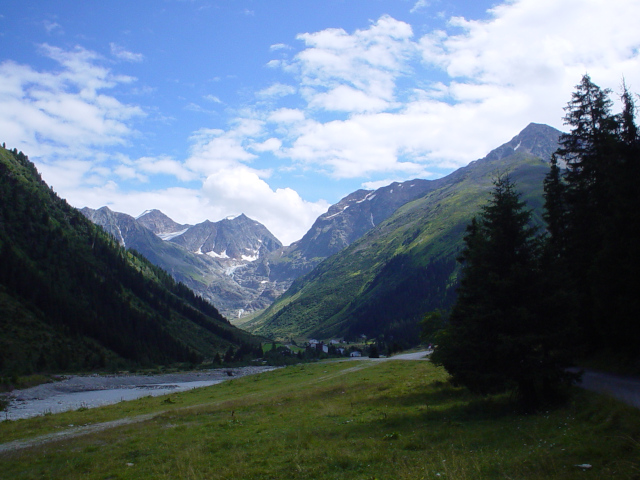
(625, 389)
(423, 355)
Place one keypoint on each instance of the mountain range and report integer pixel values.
(224, 262)
(405, 265)
(236, 263)
(371, 265)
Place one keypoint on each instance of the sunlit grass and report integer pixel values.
(365, 420)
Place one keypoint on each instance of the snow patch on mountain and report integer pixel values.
(369, 197)
(218, 255)
(171, 235)
(336, 214)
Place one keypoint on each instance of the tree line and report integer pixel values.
(530, 302)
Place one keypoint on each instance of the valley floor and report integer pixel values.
(350, 419)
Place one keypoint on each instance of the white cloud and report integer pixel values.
(127, 172)
(279, 46)
(286, 115)
(212, 98)
(419, 5)
(63, 113)
(282, 211)
(496, 76)
(122, 54)
(368, 61)
(344, 98)
(52, 27)
(270, 145)
(213, 150)
(276, 90)
(164, 166)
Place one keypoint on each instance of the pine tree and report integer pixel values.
(555, 208)
(598, 242)
(615, 283)
(497, 339)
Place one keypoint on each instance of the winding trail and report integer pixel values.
(72, 433)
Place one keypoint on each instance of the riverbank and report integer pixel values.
(89, 391)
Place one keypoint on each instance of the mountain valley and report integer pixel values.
(371, 265)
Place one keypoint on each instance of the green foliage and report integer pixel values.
(73, 299)
(593, 211)
(432, 325)
(497, 338)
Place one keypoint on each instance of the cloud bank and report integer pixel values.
(377, 104)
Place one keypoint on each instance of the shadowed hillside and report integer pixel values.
(72, 299)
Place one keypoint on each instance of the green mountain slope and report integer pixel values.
(72, 299)
(383, 283)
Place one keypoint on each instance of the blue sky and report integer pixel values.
(279, 108)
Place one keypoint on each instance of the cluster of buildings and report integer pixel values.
(333, 346)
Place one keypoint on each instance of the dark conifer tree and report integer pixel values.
(616, 285)
(497, 339)
(598, 244)
(555, 208)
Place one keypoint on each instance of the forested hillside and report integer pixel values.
(72, 299)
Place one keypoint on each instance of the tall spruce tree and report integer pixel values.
(497, 337)
(598, 234)
(555, 208)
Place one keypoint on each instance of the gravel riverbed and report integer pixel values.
(88, 391)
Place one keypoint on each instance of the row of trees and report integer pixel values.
(530, 301)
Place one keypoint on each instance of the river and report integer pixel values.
(90, 391)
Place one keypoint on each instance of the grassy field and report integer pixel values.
(339, 420)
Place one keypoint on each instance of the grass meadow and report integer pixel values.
(336, 420)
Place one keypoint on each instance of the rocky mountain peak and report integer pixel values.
(159, 223)
(536, 139)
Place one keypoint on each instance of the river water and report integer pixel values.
(89, 391)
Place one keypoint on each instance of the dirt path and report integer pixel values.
(98, 427)
(72, 433)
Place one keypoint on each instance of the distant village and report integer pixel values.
(335, 347)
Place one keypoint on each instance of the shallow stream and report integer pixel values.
(89, 391)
